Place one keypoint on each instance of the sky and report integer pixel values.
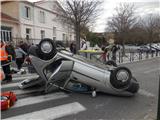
(143, 8)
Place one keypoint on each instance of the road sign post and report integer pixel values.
(158, 108)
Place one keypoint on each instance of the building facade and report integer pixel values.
(35, 21)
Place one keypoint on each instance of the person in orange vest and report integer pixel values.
(4, 52)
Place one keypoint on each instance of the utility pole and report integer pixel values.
(158, 108)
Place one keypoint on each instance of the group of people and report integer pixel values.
(83, 46)
(9, 54)
(107, 50)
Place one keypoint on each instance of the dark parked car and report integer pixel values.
(146, 49)
(155, 47)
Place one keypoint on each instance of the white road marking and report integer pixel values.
(51, 113)
(152, 70)
(19, 92)
(17, 78)
(38, 99)
(9, 85)
(145, 93)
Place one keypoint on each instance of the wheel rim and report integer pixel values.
(46, 47)
(122, 76)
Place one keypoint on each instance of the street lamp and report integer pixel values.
(158, 108)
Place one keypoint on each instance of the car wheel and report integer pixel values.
(134, 86)
(120, 78)
(111, 62)
(47, 49)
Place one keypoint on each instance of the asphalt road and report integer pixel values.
(68, 106)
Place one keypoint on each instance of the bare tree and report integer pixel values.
(80, 13)
(122, 22)
(157, 21)
(151, 25)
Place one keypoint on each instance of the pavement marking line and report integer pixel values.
(9, 85)
(17, 82)
(39, 99)
(145, 93)
(152, 70)
(19, 92)
(51, 113)
(17, 78)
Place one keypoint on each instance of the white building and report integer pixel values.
(36, 21)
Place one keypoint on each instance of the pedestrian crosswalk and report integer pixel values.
(4, 86)
(51, 113)
(45, 111)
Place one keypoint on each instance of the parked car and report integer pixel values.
(146, 48)
(7, 100)
(156, 47)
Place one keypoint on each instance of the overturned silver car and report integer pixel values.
(58, 68)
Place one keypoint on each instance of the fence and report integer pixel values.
(129, 56)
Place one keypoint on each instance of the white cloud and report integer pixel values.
(143, 7)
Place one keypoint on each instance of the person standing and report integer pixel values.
(83, 45)
(5, 63)
(104, 55)
(19, 57)
(73, 48)
(114, 50)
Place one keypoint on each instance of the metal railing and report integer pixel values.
(130, 56)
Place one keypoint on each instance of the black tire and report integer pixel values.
(47, 55)
(134, 86)
(120, 81)
(111, 62)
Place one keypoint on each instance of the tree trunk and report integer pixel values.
(123, 48)
(77, 30)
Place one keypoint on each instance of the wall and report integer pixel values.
(11, 9)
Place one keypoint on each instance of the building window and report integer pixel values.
(63, 37)
(42, 34)
(54, 38)
(54, 31)
(6, 35)
(70, 37)
(74, 38)
(27, 12)
(42, 17)
(28, 33)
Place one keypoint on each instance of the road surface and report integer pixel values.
(68, 106)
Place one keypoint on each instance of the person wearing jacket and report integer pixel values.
(19, 57)
(5, 62)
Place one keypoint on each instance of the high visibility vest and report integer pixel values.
(3, 53)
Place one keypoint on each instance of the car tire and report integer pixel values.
(47, 55)
(111, 62)
(134, 86)
(120, 78)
